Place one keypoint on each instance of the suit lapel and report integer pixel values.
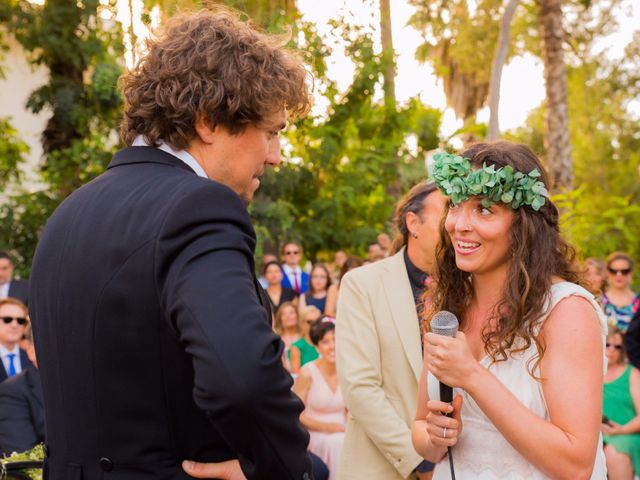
(403, 310)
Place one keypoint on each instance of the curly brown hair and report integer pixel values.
(537, 253)
(213, 64)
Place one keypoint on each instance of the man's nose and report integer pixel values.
(273, 156)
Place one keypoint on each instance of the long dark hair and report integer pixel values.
(323, 267)
(537, 253)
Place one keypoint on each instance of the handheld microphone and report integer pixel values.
(446, 323)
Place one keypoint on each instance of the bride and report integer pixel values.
(527, 364)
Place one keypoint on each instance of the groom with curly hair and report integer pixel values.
(153, 335)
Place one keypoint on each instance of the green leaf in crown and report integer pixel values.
(457, 180)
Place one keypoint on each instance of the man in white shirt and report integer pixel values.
(294, 277)
(13, 323)
(8, 286)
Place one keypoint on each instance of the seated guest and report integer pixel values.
(303, 351)
(272, 273)
(21, 408)
(317, 386)
(10, 287)
(287, 325)
(620, 302)
(266, 258)
(374, 252)
(13, 323)
(339, 258)
(294, 277)
(596, 276)
(621, 426)
(385, 243)
(321, 294)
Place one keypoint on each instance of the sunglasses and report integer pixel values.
(617, 346)
(20, 320)
(616, 271)
(292, 252)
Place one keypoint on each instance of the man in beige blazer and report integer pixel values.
(378, 343)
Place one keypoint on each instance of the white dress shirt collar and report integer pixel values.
(183, 155)
(4, 355)
(4, 290)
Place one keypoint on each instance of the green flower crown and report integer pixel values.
(455, 178)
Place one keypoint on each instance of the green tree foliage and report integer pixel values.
(12, 151)
(460, 44)
(602, 214)
(346, 168)
(83, 56)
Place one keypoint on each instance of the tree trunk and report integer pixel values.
(558, 157)
(388, 60)
(496, 70)
(132, 35)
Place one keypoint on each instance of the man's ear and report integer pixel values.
(411, 220)
(204, 130)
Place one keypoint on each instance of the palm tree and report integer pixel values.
(558, 158)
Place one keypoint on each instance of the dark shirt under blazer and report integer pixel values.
(153, 339)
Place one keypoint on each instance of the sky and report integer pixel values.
(522, 87)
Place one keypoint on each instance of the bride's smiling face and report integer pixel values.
(480, 235)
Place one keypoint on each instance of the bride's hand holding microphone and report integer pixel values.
(450, 361)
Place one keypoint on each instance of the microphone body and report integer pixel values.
(445, 323)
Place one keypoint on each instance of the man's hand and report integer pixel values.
(229, 470)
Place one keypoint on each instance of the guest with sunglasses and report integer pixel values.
(21, 407)
(13, 323)
(620, 302)
(621, 403)
(294, 277)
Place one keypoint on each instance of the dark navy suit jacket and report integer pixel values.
(24, 362)
(154, 340)
(19, 289)
(21, 412)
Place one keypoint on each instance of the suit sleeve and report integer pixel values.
(359, 371)
(204, 259)
(17, 432)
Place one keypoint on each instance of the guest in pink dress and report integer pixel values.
(317, 385)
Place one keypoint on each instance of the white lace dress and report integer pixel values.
(482, 453)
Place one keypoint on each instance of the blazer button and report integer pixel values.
(306, 476)
(106, 464)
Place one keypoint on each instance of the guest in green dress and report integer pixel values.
(302, 350)
(621, 403)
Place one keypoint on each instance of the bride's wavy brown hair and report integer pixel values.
(538, 252)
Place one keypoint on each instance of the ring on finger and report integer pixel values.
(444, 432)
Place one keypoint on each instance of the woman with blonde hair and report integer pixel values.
(302, 351)
(620, 302)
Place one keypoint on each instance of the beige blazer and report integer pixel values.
(379, 358)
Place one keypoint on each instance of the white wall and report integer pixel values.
(20, 80)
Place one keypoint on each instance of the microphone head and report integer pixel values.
(444, 323)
